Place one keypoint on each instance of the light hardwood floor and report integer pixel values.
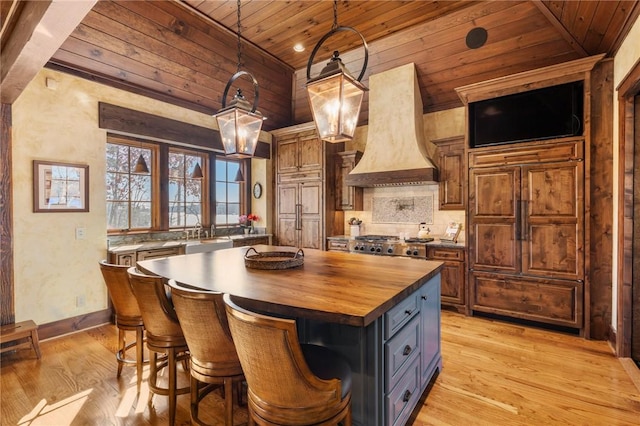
(494, 373)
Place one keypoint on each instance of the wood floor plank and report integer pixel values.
(494, 373)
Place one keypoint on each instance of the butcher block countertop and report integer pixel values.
(336, 287)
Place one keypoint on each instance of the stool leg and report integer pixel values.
(35, 342)
(139, 355)
(122, 344)
(153, 374)
(173, 383)
(228, 401)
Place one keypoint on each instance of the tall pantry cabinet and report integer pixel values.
(527, 220)
(305, 185)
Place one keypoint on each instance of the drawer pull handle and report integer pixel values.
(424, 297)
(408, 311)
(407, 396)
(407, 350)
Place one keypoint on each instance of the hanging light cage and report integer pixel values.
(240, 122)
(335, 96)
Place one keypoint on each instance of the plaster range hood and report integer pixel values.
(395, 152)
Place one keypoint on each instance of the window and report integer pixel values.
(228, 196)
(186, 193)
(129, 194)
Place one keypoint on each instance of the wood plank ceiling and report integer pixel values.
(184, 52)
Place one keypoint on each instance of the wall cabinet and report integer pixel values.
(347, 197)
(453, 288)
(452, 169)
(305, 212)
(526, 231)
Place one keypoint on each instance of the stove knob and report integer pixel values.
(415, 252)
(408, 252)
(361, 248)
(378, 249)
(390, 250)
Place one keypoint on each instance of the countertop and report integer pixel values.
(335, 287)
(150, 245)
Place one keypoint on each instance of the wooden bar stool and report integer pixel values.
(288, 383)
(214, 360)
(128, 317)
(24, 330)
(164, 335)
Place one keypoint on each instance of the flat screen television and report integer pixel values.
(550, 112)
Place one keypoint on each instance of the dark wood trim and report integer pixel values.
(393, 177)
(132, 122)
(73, 324)
(559, 27)
(627, 90)
(7, 308)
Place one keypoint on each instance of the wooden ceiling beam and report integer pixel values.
(561, 28)
(41, 29)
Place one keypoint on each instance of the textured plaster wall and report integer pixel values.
(625, 59)
(60, 123)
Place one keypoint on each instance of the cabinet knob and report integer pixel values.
(406, 396)
(424, 297)
(408, 311)
(407, 350)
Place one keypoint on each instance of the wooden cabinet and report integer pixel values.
(299, 152)
(130, 258)
(453, 288)
(305, 212)
(127, 258)
(452, 169)
(526, 231)
(347, 197)
(251, 241)
(338, 244)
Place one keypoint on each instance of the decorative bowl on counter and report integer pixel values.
(273, 259)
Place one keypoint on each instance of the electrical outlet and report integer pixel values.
(80, 301)
(80, 233)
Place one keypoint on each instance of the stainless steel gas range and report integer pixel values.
(387, 245)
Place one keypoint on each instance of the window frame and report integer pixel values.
(206, 182)
(243, 195)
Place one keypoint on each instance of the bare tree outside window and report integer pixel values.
(129, 201)
(185, 192)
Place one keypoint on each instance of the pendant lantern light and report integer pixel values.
(335, 96)
(239, 176)
(141, 166)
(197, 172)
(239, 122)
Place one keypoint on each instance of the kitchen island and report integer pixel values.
(381, 313)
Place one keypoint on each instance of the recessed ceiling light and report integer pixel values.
(298, 47)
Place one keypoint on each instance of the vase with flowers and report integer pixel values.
(246, 222)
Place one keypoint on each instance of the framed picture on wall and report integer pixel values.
(60, 187)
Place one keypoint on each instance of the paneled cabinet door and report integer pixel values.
(300, 153)
(300, 214)
(347, 197)
(493, 211)
(452, 172)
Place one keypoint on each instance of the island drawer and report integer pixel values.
(400, 350)
(399, 315)
(401, 400)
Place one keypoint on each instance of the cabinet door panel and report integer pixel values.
(552, 238)
(287, 233)
(452, 164)
(310, 153)
(311, 233)
(287, 198)
(493, 193)
(287, 156)
(452, 277)
(310, 198)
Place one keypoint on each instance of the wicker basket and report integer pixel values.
(273, 259)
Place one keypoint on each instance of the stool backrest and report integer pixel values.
(204, 323)
(117, 281)
(274, 365)
(157, 311)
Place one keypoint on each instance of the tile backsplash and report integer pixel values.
(397, 210)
